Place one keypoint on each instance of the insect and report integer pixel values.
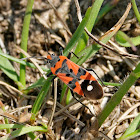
(78, 79)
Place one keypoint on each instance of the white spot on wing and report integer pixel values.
(89, 87)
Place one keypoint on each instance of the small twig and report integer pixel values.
(20, 109)
(54, 103)
(78, 10)
(110, 58)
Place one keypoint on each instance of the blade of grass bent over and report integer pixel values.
(125, 41)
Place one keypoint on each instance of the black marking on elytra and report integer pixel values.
(95, 93)
(71, 84)
(81, 72)
(64, 62)
(57, 70)
(71, 70)
(58, 59)
(68, 75)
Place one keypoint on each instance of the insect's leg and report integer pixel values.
(96, 75)
(69, 55)
(49, 74)
(61, 51)
(75, 55)
(53, 78)
(80, 102)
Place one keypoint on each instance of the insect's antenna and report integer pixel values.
(45, 37)
(37, 57)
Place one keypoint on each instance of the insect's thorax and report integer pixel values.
(59, 65)
(54, 60)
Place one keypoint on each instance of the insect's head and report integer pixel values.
(50, 57)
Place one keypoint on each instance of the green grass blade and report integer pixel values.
(125, 41)
(32, 136)
(85, 54)
(40, 98)
(22, 62)
(23, 130)
(132, 127)
(131, 135)
(63, 92)
(24, 39)
(112, 84)
(8, 69)
(117, 97)
(39, 83)
(69, 97)
(135, 10)
(10, 126)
